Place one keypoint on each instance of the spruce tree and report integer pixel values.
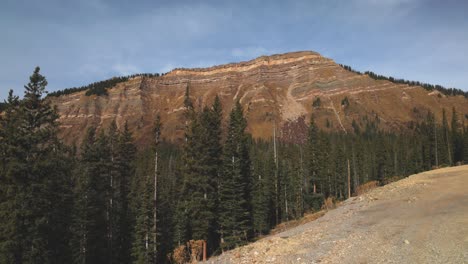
(262, 198)
(445, 143)
(210, 165)
(181, 226)
(91, 210)
(146, 204)
(235, 214)
(313, 149)
(465, 145)
(34, 192)
(124, 166)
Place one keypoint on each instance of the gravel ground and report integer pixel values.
(420, 219)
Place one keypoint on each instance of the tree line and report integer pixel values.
(99, 88)
(106, 201)
(428, 87)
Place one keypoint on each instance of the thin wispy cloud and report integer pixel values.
(125, 69)
(250, 52)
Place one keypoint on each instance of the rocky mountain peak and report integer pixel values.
(276, 91)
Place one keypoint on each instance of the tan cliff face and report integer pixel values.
(272, 89)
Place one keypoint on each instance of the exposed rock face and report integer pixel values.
(272, 89)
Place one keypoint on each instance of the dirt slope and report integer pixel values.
(421, 219)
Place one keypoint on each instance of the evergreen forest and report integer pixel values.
(107, 201)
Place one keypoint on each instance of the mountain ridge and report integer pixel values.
(274, 90)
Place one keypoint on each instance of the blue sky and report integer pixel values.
(79, 42)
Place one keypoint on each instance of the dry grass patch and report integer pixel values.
(190, 253)
(364, 188)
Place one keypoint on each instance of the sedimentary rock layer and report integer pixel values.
(272, 89)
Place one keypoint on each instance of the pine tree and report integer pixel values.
(147, 204)
(113, 196)
(313, 149)
(339, 171)
(142, 210)
(210, 166)
(34, 201)
(444, 143)
(465, 145)
(9, 235)
(430, 150)
(124, 166)
(91, 210)
(235, 213)
(457, 138)
(262, 192)
(182, 228)
(263, 187)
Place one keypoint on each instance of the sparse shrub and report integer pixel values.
(388, 180)
(364, 188)
(196, 250)
(317, 103)
(345, 102)
(190, 253)
(329, 203)
(97, 91)
(180, 255)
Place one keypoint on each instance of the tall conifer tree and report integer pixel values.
(34, 194)
(235, 214)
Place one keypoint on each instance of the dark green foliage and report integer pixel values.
(235, 214)
(317, 103)
(345, 102)
(314, 202)
(147, 245)
(97, 204)
(102, 218)
(315, 151)
(263, 193)
(465, 145)
(99, 88)
(429, 87)
(445, 143)
(34, 175)
(123, 161)
(92, 188)
(196, 210)
(201, 171)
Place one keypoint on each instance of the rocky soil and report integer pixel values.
(420, 219)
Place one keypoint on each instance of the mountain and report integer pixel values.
(274, 91)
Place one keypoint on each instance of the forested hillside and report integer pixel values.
(105, 201)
